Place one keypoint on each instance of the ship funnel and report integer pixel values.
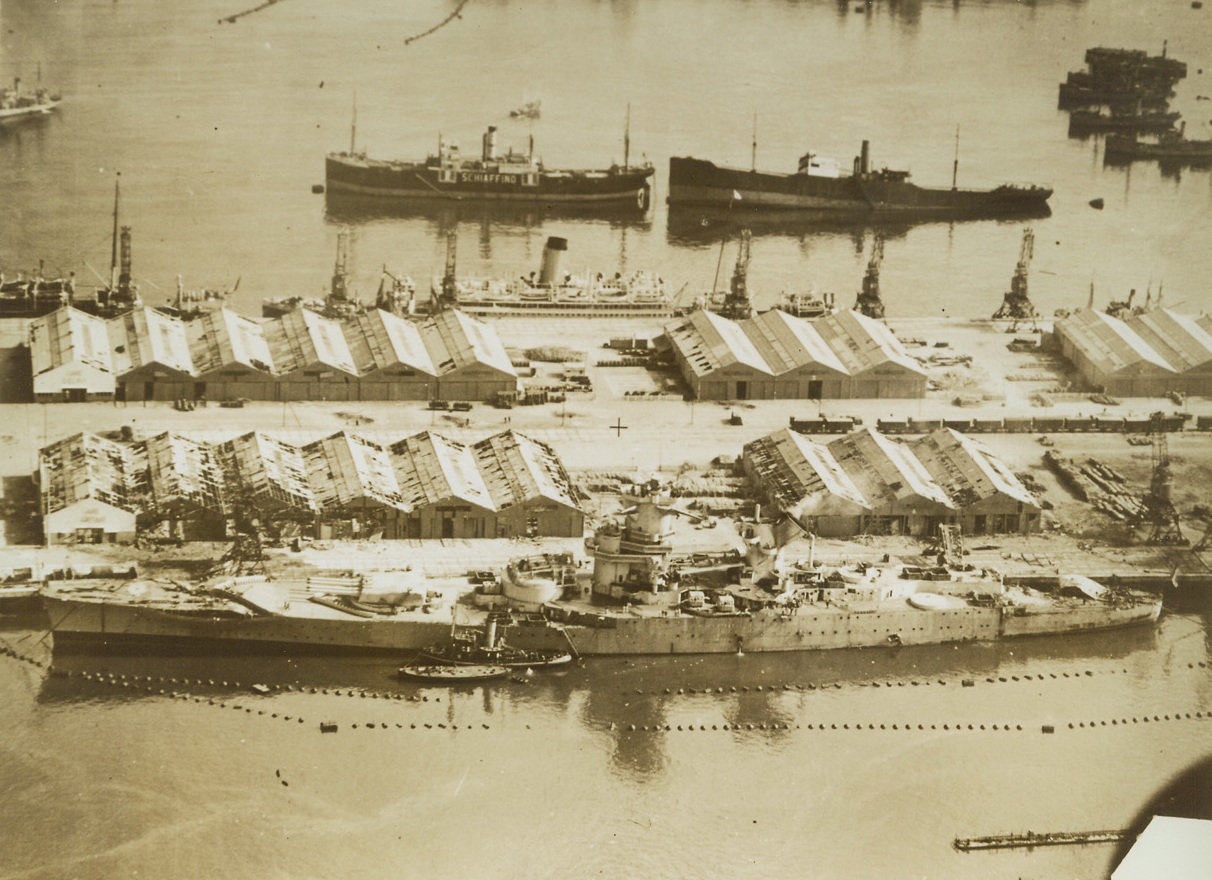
(550, 271)
(490, 633)
(490, 144)
(865, 159)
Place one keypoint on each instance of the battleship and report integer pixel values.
(820, 185)
(639, 599)
(550, 291)
(509, 176)
(1173, 148)
(641, 602)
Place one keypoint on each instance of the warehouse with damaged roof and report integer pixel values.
(340, 486)
(90, 490)
(867, 483)
(148, 355)
(776, 356)
(1149, 354)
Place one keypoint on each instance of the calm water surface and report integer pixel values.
(219, 133)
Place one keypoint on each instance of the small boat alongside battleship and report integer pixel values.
(486, 645)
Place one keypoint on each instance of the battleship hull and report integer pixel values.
(89, 625)
(357, 175)
(703, 183)
(83, 625)
(811, 628)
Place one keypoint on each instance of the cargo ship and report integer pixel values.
(820, 185)
(509, 176)
(551, 292)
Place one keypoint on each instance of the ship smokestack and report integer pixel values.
(490, 144)
(490, 633)
(549, 273)
(865, 159)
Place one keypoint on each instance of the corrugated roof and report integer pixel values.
(709, 342)
(183, 470)
(143, 337)
(431, 468)
(863, 344)
(345, 469)
(455, 340)
(301, 339)
(1109, 343)
(86, 466)
(885, 470)
(789, 343)
(67, 336)
(800, 473)
(517, 469)
(269, 469)
(223, 338)
(966, 469)
(380, 340)
(1181, 340)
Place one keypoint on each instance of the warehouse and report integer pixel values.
(91, 490)
(1149, 355)
(778, 356)
(867, 483)
(70, 358)
(147, 355)
(188, 489)
(150, 355)
(231, 357)
(354, 483)
(531, 491)
(444, 490)
(271, 475)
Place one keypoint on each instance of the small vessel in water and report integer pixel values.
(550, 292)
(1173, 148)
(486, 646)
(509, 176)
(528, 110)
(820, 185)
(443, 674)
(1089, 121)
(16, 105)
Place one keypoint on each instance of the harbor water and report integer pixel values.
(220, 131)
(846, 764)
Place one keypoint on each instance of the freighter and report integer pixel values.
(639, 600)
(821, 186)
(510, 176)
(552, 292)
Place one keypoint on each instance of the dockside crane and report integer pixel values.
(1157, 507)
(869, 302)
(737, 305)
(1016, 304)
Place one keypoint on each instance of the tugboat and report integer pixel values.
(485, 646)
(16, 106)
(509, 176)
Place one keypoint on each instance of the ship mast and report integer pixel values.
(113, 254)
(955, 164)
(353, 126)
(753, 156)
(627, 139)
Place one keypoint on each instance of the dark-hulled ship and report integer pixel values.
(821, 186)
(509, 176)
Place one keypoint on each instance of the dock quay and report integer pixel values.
(1030, 840)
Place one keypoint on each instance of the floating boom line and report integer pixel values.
(437, 27)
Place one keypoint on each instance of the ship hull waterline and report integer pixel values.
(92, 626)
